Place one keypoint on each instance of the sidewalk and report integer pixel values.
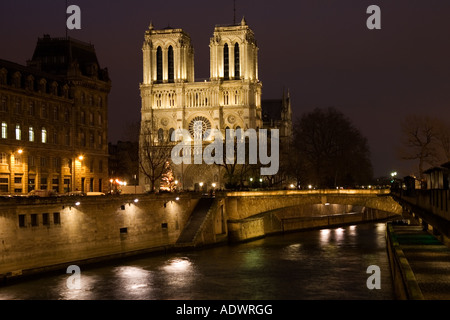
(428, 258)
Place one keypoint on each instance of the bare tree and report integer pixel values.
(154, 153)
(443, 140)
(235, 173)
(332, 151)
(420, 140)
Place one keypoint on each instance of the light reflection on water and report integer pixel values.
(318, 264)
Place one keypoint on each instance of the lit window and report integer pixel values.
(18, 132)
(44, 135)
(3, 158)
(4, 130)
(31, 134)
(18, 160)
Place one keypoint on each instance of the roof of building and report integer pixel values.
(58, 55)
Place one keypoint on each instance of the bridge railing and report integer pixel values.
(435, 201)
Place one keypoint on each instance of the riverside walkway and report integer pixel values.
(420, 263)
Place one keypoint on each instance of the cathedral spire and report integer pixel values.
(234, 12)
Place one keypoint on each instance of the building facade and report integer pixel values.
(53, 115)
(172, 99)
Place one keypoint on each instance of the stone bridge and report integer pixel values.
(250, 215)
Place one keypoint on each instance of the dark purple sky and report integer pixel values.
(321, 50)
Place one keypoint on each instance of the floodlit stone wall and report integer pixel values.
(41, 234)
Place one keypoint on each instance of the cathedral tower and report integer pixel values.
(234, 53)
(168, 56)
(172, 99)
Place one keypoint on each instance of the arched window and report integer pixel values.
(171, 131)
(160, 135)
(159, 65)
(226, 62)
(171, 66)
(237, 69)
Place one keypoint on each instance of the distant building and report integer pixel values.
(54, 115)
(277, 114)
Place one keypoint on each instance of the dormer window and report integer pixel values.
(43, 85)
(16, 80)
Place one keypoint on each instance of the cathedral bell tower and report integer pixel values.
(234, 53)
(168, 56)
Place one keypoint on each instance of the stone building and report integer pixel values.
(172, 99)
(277, 114)
(53, 115)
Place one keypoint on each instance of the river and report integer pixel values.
(316, 264)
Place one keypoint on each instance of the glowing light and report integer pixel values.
(81, 158)
(292, 185)
(178, 265)
(20, 151)
(136, 200)
(201, 184)
(77, 203)
(176, 182)
(339, 234)
(325, 236)
(310, 187)
(213, 185)
(327, 204)
(177, 198)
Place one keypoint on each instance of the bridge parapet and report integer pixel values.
(241, 205)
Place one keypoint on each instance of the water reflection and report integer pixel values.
(317, 264)
(178, 265)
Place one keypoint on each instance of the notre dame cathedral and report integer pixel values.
(231, 98)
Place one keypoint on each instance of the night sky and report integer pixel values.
(321, 50)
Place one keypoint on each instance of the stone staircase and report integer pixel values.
(198, 216)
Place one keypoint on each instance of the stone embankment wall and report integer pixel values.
(39, 235)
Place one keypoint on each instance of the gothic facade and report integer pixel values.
(172, 99)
